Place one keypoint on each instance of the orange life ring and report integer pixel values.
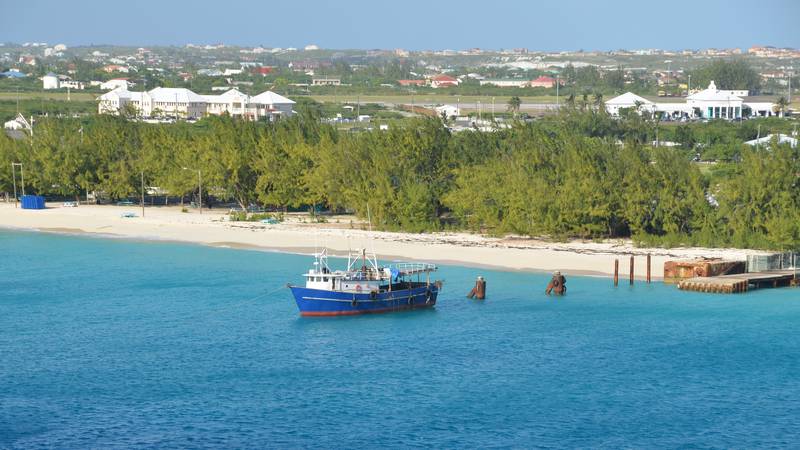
(358, 288)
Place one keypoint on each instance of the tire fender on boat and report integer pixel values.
(410, 299)
(373, 295)
(428, 297)
(354, 303)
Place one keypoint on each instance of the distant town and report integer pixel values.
(474, 88)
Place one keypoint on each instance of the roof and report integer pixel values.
(180, 95)
(782, 139)
(231, 94)
(711, 93)
(544, 78)
(51, 74)
(628, 98)
(13, 74)
(443, 77)
(270, 98)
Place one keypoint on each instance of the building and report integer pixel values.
(326, 82)
(179, 102)
(412, 82)
(115, 68)
(709, 103)
(50, 81)
(232, 102)
(269, 105)
(779, 138)
(506, 82)
(443, 81)
(545, 82)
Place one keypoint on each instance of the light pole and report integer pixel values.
(14, 176)
(199, 187)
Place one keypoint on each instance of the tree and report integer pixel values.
(514, 104)
(780, 106)
(728, 74)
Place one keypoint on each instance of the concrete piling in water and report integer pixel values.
(616, 272)
(631, 270)
(479, 291)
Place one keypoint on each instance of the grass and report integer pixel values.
(49, 95)
(465, 100)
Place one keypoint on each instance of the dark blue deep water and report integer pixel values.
(110, 343)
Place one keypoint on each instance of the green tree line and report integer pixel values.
(575, 174)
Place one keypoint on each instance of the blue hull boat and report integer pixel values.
(365, 290)
(318, 302)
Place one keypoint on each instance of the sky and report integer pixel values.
(552, 25)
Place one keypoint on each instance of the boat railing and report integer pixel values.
(412, 268)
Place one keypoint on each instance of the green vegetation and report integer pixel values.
(576, 174)
(727, 74)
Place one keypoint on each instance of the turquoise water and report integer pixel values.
(113, 343)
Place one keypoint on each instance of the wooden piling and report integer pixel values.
(648, 268)
(616, 272)
(631, 270)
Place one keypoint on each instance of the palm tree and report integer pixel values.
(781, 105)
(514, 104)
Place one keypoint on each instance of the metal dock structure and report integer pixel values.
(741, 282)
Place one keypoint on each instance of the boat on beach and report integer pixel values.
(365, 287)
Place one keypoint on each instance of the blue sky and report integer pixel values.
(410, 24)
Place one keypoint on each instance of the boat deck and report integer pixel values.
(741, 282)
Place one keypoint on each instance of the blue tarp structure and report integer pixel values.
(32, 202)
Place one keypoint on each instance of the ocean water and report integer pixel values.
(111, 343)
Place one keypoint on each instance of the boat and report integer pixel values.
(366, 288)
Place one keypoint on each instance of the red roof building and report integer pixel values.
(412, 82)
(443, 81)
(263, 71)
(545, 82)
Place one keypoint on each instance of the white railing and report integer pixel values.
(409, 268)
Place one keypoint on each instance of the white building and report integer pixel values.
(232, 102)
(50, 81)
(506, 82)
(780, 138)
(271, 105)
(710, 103)
(116, 83)
(179, 102)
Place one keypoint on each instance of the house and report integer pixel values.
(326, 82)
(629, 100)
(116, 83)
(412, 82)
(271, 106)
(12, 73)
(71, 84)
(263, 71)
(545, 82)
(443, 81)
(505, 82)
(50, 81)
(232, 102)
(115, 68)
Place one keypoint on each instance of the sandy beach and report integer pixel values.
(341, 233)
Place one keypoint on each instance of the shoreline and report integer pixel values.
(510, 253)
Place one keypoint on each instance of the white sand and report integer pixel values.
(213, 228)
